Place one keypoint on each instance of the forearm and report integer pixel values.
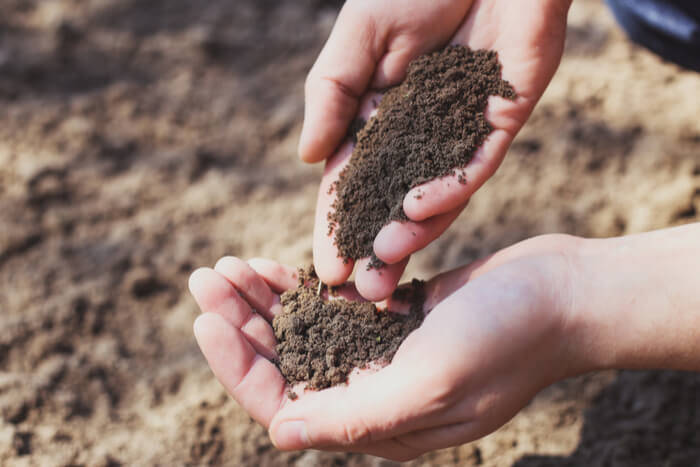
(636, 301)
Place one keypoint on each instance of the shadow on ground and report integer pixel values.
(645, 418)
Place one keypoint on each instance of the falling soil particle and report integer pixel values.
(425, 128)
(321, 341)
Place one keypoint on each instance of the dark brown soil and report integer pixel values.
(321, 341)
(425, 128)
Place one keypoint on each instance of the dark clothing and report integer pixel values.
(670, 28)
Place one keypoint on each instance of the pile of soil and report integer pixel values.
(425, 128)
(321, 341)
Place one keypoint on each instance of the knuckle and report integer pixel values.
(341, 88)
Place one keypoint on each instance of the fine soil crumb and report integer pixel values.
(425, 128)
(320, 341)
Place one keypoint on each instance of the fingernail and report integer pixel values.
(291, 435)
(381, 241)
(301, 146)
(389, 245)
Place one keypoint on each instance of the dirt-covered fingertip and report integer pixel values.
(333, 271)
(377, 284)
(416, 204)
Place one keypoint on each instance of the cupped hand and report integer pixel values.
(370, 47)
(495, 334)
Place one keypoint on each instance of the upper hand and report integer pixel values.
(370, 47)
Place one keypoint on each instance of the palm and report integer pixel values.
(235, 333)
(529, 44)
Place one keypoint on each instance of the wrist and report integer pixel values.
(582, 328)
(596, 313)
(635, 301)
(561, 259)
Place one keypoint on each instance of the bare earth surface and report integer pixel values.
(139, 140)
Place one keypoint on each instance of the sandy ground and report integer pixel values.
(139, 140)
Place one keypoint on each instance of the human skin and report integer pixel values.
(496, 333)
(369, 48)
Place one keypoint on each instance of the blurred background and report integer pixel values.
(139, 140)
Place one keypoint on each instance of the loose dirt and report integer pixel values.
(321, 341)
(425, 128)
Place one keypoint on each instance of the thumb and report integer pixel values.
(372, 408)
(372, 41)
(338, 79)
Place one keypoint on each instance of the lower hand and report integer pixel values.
(496, 334)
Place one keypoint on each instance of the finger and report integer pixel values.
(371, 410)
(416, 29)
(403, 48)
(393, 66)
(215, 294)
(445, 194)
(346, 291)
(377, 284)
(278, 277)
(330, 267)
(249, 284)
(401, 239)
(248, 377)
(339, 77)
(370, 41)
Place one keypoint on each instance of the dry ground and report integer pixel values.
(139, 140)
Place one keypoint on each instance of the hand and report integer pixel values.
(496, 335)
(370, 48)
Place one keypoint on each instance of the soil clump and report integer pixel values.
(425, 128)
(321, 341)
